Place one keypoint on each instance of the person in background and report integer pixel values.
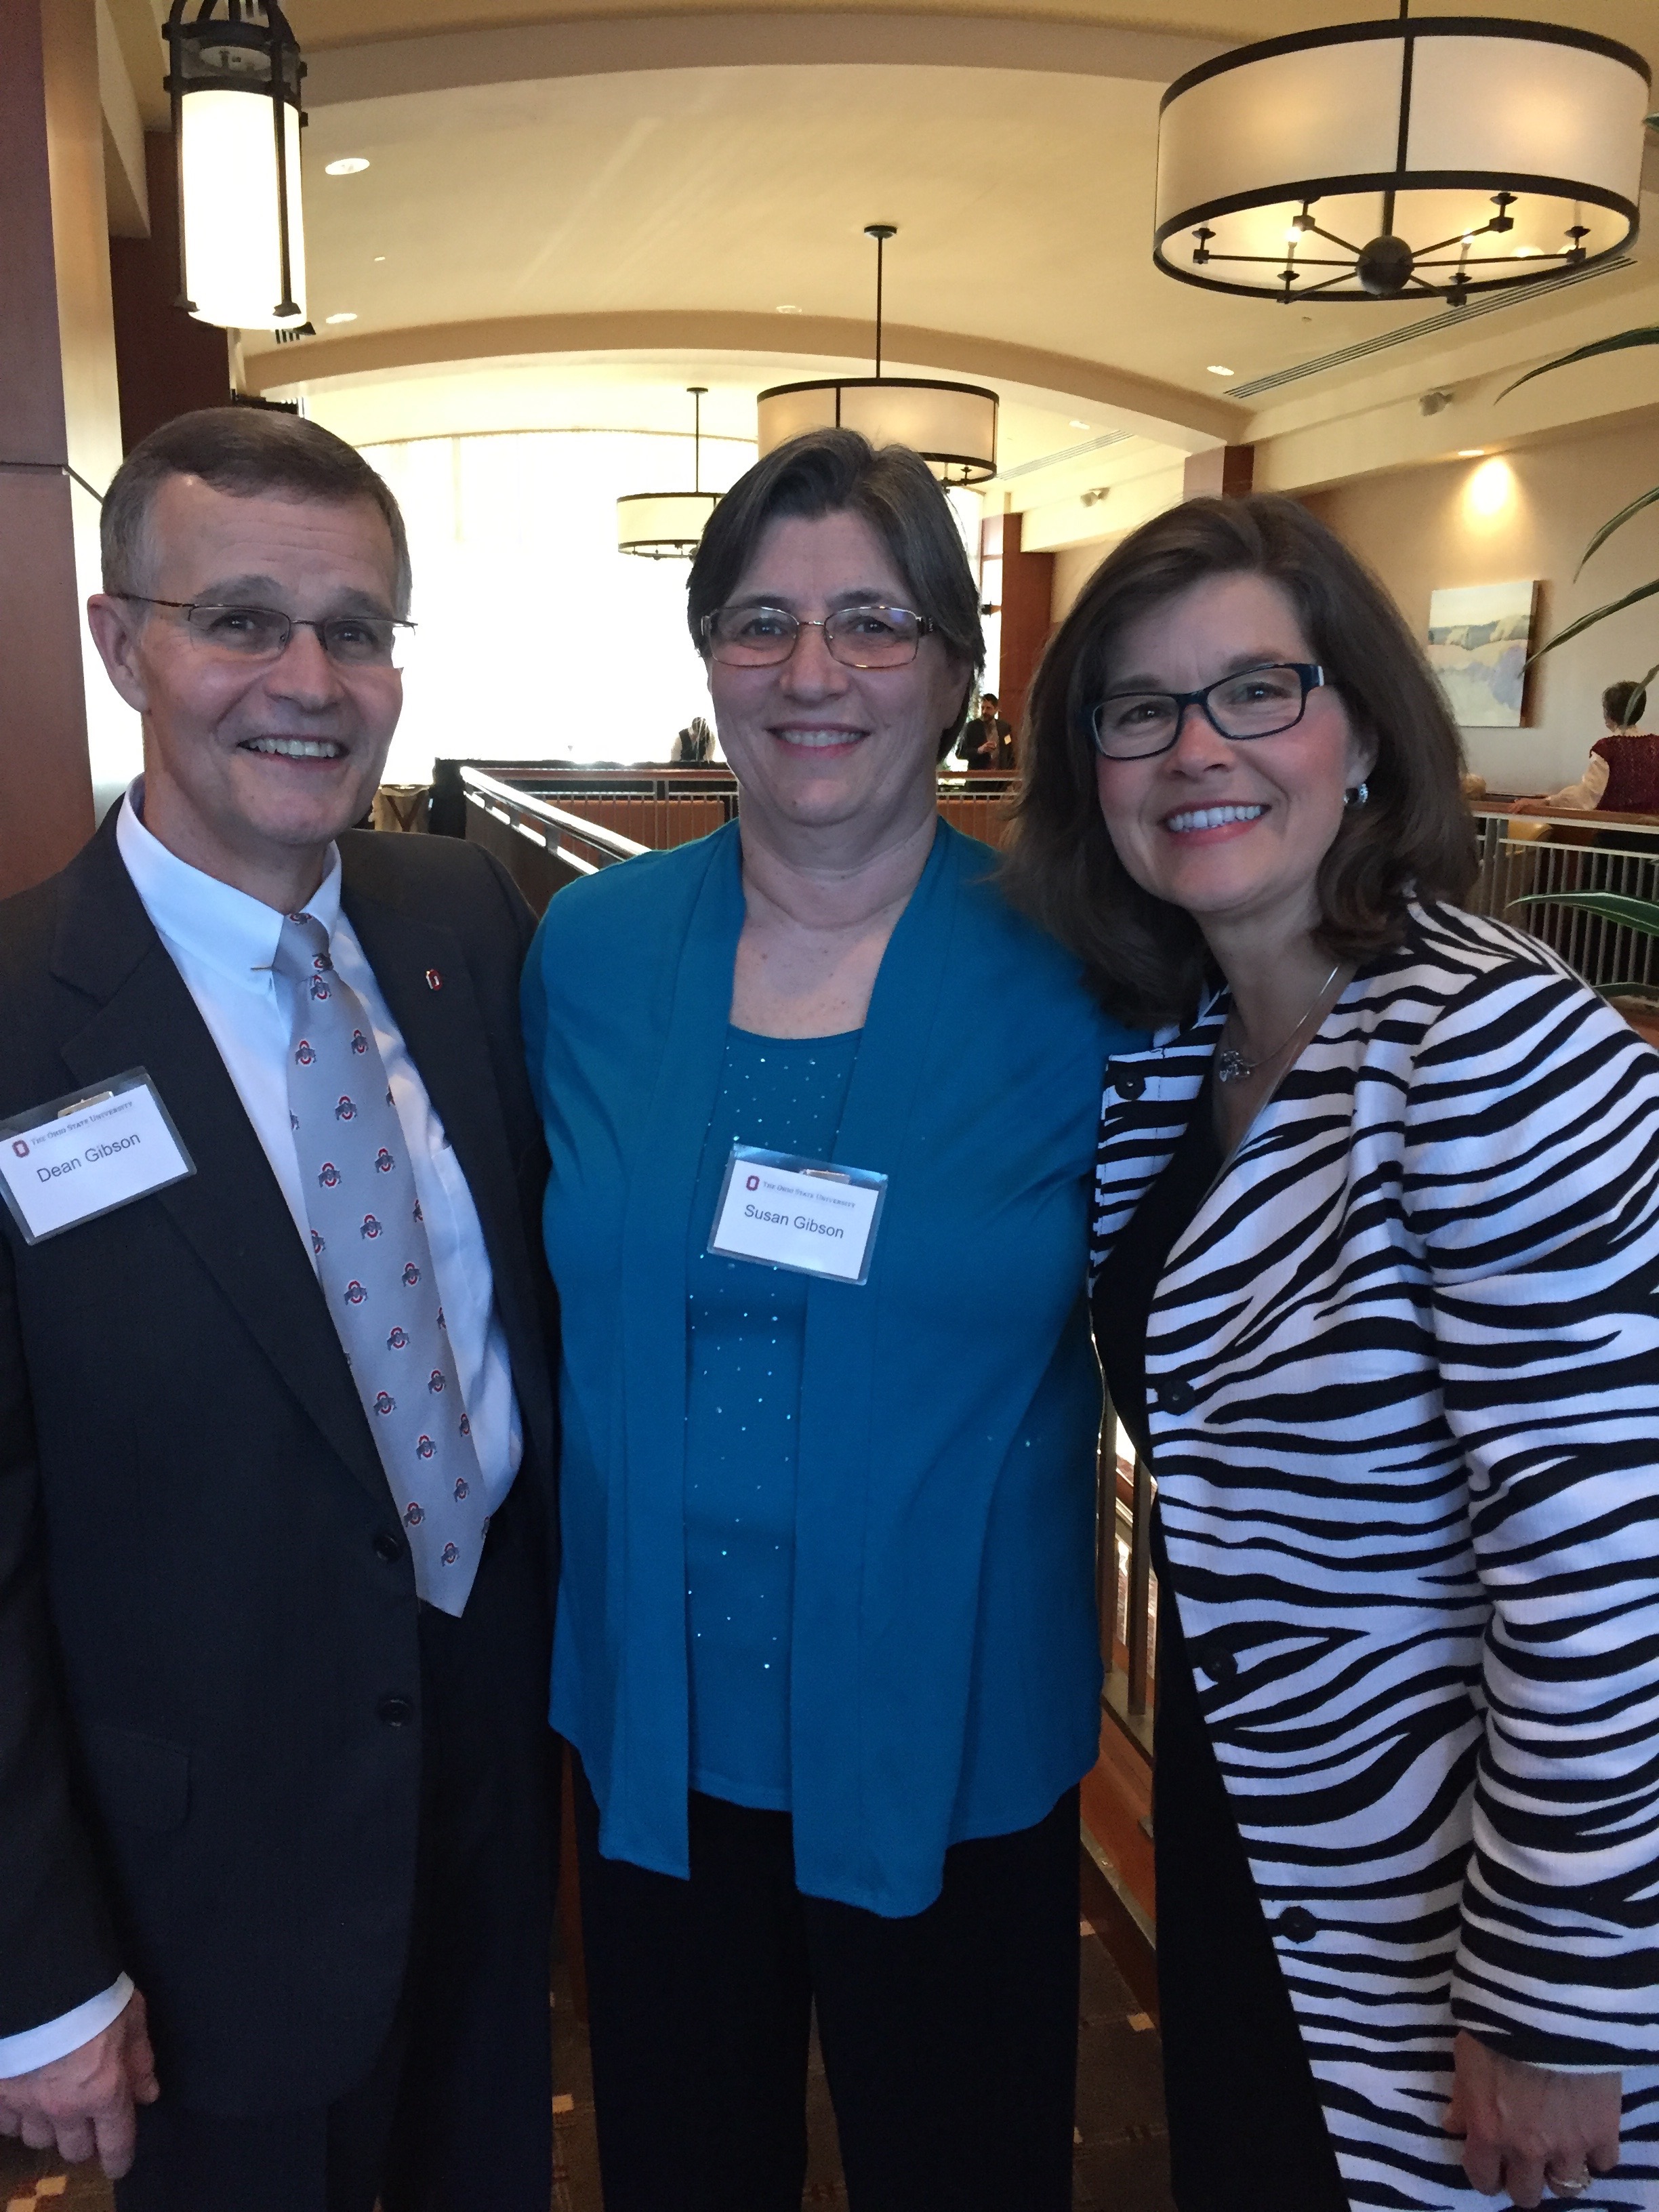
(1375, 1254)
(694, 743)
(827, 1652)
(277, 1434)
(1621, 775)
(984, 736)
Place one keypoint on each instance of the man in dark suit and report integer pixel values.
(277, 1434)
(985, 741)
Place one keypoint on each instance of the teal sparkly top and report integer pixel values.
(748, 1336)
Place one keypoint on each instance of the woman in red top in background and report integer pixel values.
(1621, 775)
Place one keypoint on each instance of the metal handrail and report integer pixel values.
(532, 817)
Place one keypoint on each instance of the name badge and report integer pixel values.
(74, 1159)
(807, 1215)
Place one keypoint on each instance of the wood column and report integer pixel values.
(1021, 585)
(1225, 472)
(167, 362)
(57, 411)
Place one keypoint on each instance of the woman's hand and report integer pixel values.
(1524, 2127)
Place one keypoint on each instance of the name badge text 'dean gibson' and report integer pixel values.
(808, 1215)
(75, 1158)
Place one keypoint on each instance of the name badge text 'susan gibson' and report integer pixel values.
(807, 1215)
(75, 1158)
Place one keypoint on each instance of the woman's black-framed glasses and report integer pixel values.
(859, 637)
(263, 633)
(1256, 703)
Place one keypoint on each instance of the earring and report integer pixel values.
(1358, 796)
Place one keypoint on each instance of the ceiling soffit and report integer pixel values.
(1138, 404)
(600, 45)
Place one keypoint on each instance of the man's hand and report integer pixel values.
(1524, 2128)
(81, 2106)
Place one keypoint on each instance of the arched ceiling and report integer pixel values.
(653, 190)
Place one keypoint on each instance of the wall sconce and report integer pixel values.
(234, 78)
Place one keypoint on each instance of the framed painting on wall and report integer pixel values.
(1480, 637)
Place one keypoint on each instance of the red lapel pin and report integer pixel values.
(435, 981)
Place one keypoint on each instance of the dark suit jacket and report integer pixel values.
(207, 1606)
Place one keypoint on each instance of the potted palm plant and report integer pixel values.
(1637, 999)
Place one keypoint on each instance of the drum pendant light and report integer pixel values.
(668, 525)
(952, 426)
(1421, 158)
(235, 80)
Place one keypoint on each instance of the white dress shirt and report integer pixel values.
(223, 943)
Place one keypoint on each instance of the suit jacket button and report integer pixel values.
(1297, 1922)
(1176, 1396)
(1220, 1666)
(1128, 1082)
(387, 1548)
(396, 1713)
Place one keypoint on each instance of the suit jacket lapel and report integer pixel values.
(231, 1211)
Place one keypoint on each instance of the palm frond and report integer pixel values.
(1622, 340)
(1600, 614)
(1640, 914)
(1618, 522)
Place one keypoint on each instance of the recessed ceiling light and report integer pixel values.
(1471, 453)
(1077, 425)
(380, 257)
(786, 309)
(350, 165)
(344, 316)
(1220, 368)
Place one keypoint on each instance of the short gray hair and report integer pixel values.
(244, 450)
(840, 472)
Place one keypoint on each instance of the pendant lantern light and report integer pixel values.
(952, 426)
(1421, 158)
(234, 79)
(668, 525)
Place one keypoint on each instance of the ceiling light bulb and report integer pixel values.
(345, 315)
(350, 165)
(1220, 368)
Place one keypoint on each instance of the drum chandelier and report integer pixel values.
(952, 426)
(234, 75)
(1428, 157)
(668, 525)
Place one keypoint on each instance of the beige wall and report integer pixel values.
(1073, 566)
(1423, 527)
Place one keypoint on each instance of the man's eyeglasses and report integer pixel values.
(1257, 703)
(262, 634)
(859, 637)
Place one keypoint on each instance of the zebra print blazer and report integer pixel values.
(1403, 1383)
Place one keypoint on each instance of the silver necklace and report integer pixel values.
(1231, 1065)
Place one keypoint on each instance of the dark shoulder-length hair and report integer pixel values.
(1414, 838)
(888, 486)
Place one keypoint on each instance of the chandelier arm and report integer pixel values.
(1331, 238)
(1457, 237)
(1324, 261)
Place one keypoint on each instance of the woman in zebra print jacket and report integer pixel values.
(1377, 1292)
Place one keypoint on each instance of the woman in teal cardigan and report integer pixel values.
(827, 1650)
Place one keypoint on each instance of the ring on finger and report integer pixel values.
(1568, 2188)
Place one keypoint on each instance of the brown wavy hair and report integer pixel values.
(1146, 959)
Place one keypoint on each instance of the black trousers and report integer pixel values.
(1247, 2131)
(949, 2039)
(456, 2115)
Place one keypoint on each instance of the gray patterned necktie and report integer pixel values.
(369, 1238)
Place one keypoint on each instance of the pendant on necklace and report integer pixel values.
(1231, 1067)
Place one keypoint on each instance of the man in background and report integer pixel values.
(276, 1428)
(985, 741)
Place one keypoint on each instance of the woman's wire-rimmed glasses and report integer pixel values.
(859, 637)
(1255, 702)
(263, 633)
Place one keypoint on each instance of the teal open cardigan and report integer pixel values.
(945, 1669)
